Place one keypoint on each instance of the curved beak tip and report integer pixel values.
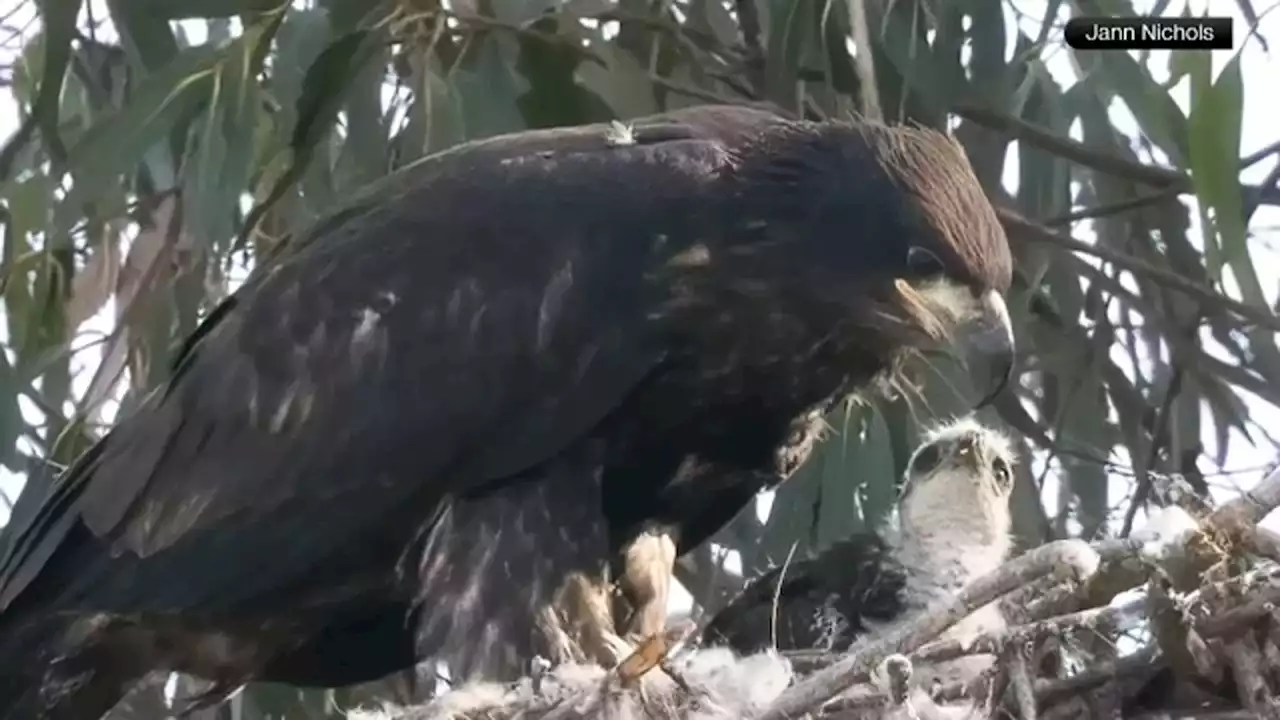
(992, 348)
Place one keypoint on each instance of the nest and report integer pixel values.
(707, 684)
(1196, 591)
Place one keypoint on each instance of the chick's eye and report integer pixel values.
(925, 460)
(923, 262)
(1004, 477)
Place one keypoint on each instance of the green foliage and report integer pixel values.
(148, 168)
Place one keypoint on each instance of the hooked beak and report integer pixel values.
(990, 347)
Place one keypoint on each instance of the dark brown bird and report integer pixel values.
(517, 369)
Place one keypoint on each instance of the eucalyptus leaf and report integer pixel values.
(323, 91)
(59, 18)
(117, 142)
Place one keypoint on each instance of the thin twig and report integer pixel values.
(1272, 180)
(1143, 487)
(1259, 155)
(1101, 211)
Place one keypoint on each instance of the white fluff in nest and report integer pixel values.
(722, 686)
(1165, 534)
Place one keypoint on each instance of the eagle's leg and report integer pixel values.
(648, 562)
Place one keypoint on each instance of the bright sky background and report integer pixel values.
(1262, 80)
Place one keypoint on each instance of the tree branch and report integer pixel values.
(1072, 557)
(1081, 154)
(1020, 227)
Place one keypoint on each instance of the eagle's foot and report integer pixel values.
(648, 563)
(217, 693)
(654, 651)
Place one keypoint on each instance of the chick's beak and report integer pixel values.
(990, 347)
(967, 453)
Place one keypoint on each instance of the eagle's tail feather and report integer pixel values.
(493, 569)
(40, 677)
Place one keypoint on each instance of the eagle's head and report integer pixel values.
(958, 484)
(898, 235)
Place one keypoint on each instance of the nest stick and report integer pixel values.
(1020, 678)
(1074, 557)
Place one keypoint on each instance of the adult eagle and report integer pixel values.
(515, 367)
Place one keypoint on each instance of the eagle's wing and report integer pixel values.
(469, 320)
(824, 602)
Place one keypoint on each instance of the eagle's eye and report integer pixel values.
(925, 460)
(1004, 476)
(922, 262)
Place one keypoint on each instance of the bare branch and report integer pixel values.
(1251, 506)
(1020, 227)
(1093, 158)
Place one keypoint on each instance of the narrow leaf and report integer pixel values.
(59, 19)
(10, 416)
(323, 92)
(117, 142)
(1214, 136)
(1158, 115)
